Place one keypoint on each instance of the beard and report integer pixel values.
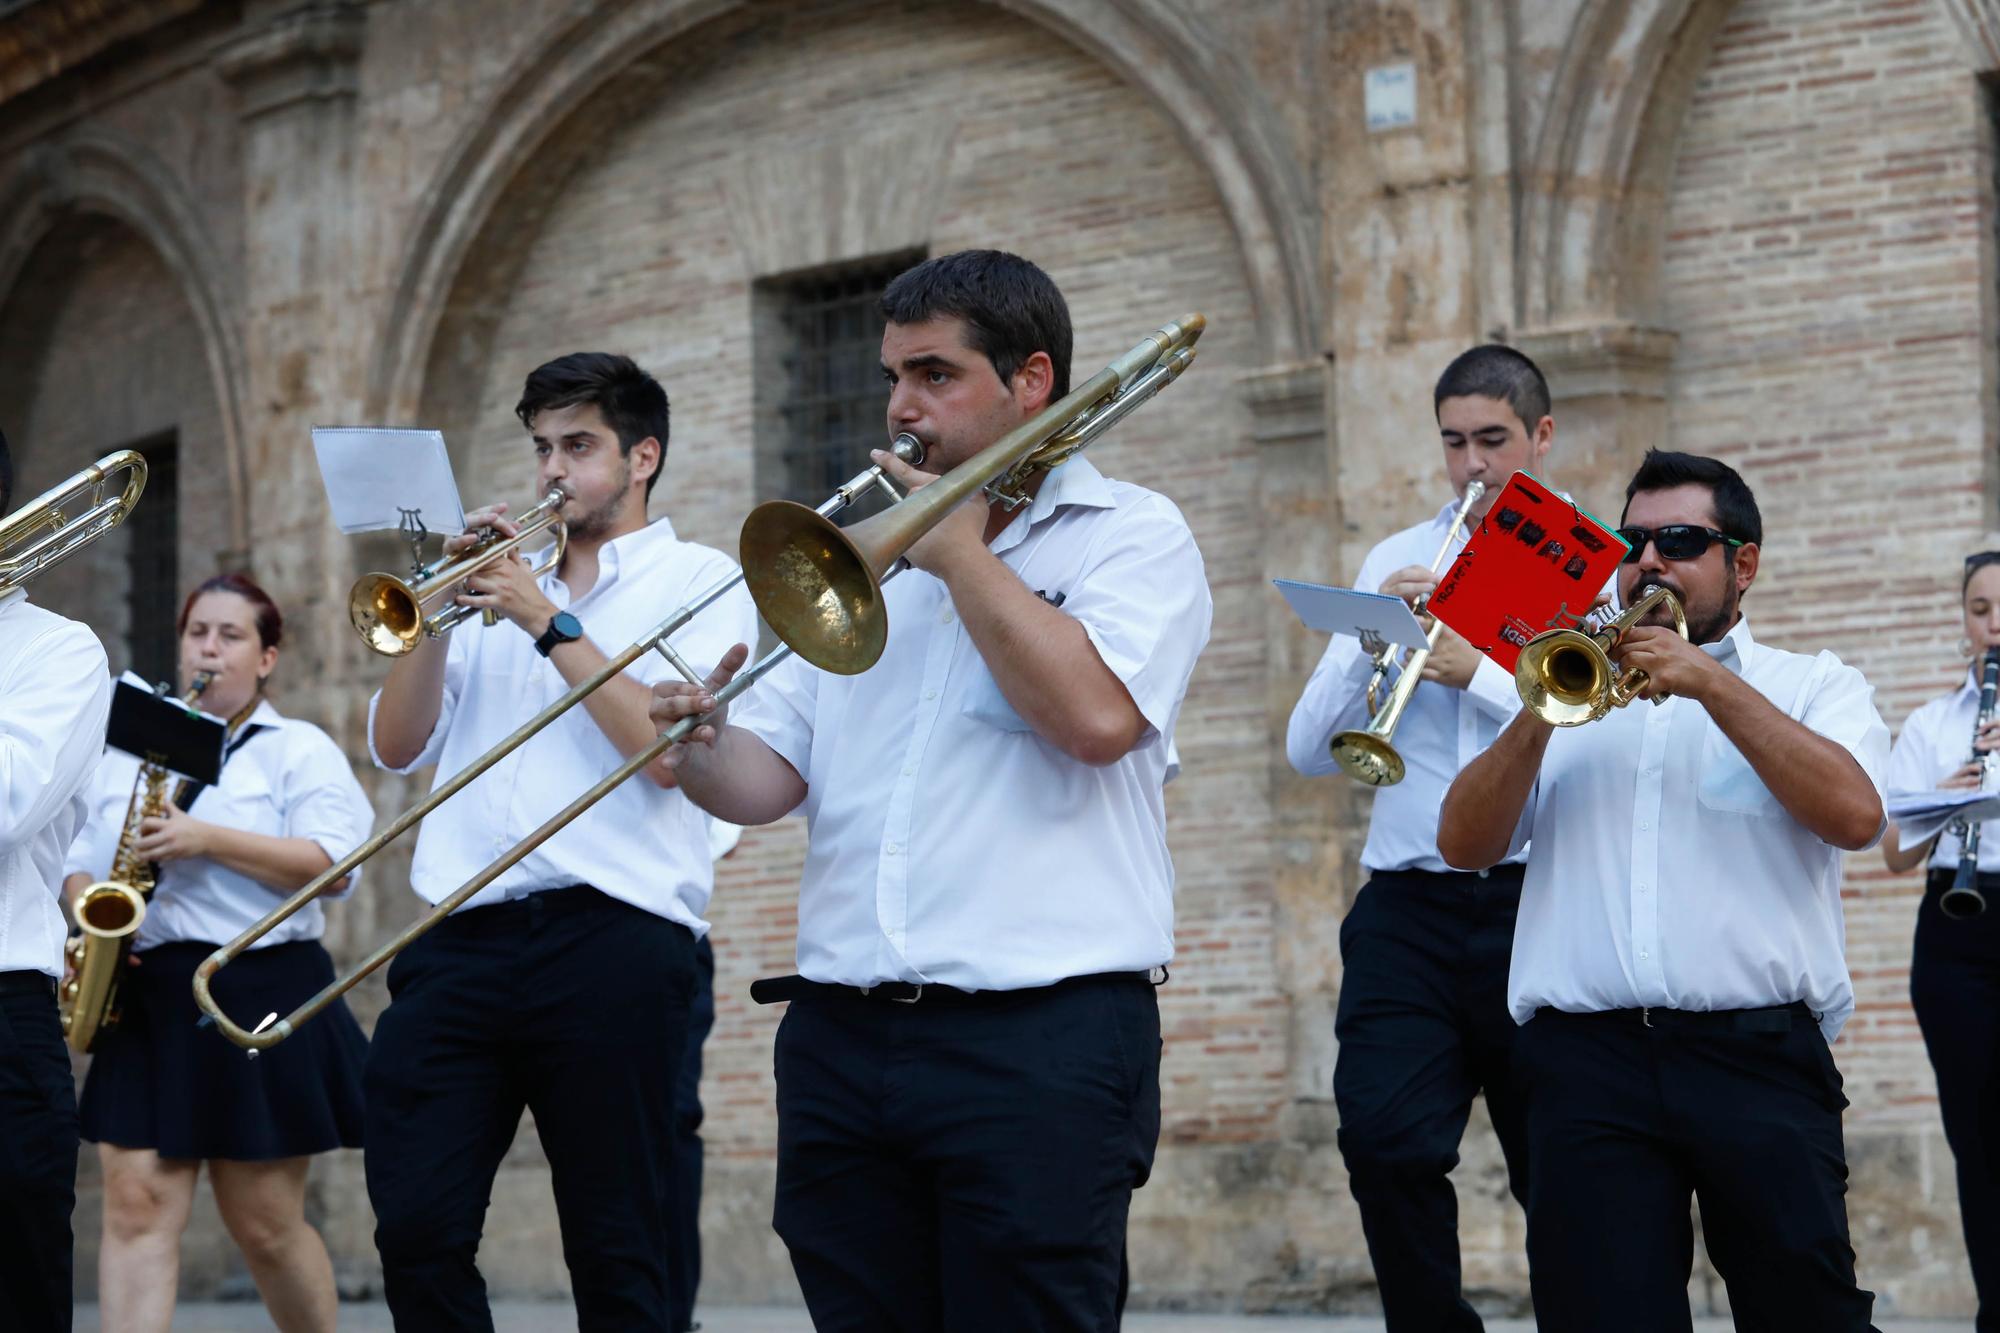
(593, 524)
(1705, 624)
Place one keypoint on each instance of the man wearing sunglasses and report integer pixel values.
(1678, 967)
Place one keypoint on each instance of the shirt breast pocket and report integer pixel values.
(1729, 785)
(985, 703)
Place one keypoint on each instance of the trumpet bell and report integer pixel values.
(1565, 678)
(1367, 757)
(814, 587)
(385, 610)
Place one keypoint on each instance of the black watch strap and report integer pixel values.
(563, 628)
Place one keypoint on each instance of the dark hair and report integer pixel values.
(1011, 308)
(270, 620)
(631, 402)
(1496, 371)
(6, 474)
(1975, 562)
(1735, 507)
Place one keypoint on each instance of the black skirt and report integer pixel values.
(158, 1081)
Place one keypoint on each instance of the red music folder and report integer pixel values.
(1535, 562)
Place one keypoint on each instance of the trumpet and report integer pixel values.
(1963, 899)
(42, 533)
(389, 612)
(1566, 678)
(824, 585)
(1367, 755)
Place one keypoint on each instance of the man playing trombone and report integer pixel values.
(1677, 967)
(564, 986)
(55, 695)
(968, 1075)
(1422, 1021)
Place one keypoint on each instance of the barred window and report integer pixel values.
(822, 363)
(152, 559)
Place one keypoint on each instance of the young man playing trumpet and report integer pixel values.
(1677, 966)
(968, 1074)
(1422, 1021)
(564, 986)
(55, 695)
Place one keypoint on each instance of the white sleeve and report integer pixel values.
(779, 710)
(322, 800)
(456, 668)
(1142, 598)
(1842, 709)
(1913, 759)
(54, 702)
(96, 843)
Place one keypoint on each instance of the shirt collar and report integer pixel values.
(631, 546)
(1734, 649)
(1076, 482)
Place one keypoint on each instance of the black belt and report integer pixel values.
(775, 990)
(1503, 876)
(1778, 1018)
(27, 983)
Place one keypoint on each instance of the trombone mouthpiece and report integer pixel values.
(908, 448)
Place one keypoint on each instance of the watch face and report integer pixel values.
(566, 625)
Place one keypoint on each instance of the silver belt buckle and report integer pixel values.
(911, 1000)
(1646, 1015)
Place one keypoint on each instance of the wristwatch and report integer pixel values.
(563, 628)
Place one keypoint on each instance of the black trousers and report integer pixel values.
(568, 1003)
(1423, 1029)
(963, 1168)
(1955, 987)
(38, 1143)
(685, 1259)
(1626, 1121)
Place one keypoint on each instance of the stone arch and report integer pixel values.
(1234, 137)
(97, 174)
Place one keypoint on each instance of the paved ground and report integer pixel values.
(526, 1317)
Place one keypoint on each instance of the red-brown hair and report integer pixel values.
(270, 620)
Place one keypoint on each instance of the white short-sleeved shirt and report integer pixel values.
(55, 697)
(286, 780)
(1663, 872)
(951, 844)
(642, 844)
(1935, 743)
(1441, 731)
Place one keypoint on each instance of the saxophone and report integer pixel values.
(109, 912)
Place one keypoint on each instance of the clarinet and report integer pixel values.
(1963, 898)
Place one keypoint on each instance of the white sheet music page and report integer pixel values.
(377, 475)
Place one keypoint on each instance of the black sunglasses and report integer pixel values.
(1677, 541)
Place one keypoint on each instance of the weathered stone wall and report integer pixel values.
(1760, 229)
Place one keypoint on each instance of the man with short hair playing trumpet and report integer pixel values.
(564, 986)
(1422, 1019)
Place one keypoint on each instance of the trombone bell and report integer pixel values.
(815, 587)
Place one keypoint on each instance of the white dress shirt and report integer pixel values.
(55, 697)
(289, 780)
(949, 843)
(1663, 871)
(1935, 743)
(1441, 731)
(641, 844)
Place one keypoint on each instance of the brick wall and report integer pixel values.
(1830, 210)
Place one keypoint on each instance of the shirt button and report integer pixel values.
(930, 694)
(1645, 955)
(945, 619)
(909, 772)
(1643, 826)
(892, 849)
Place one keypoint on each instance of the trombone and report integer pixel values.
(821, 594)
(1565, 677)
(1366, 755)
(41, 533)
(389, 612)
